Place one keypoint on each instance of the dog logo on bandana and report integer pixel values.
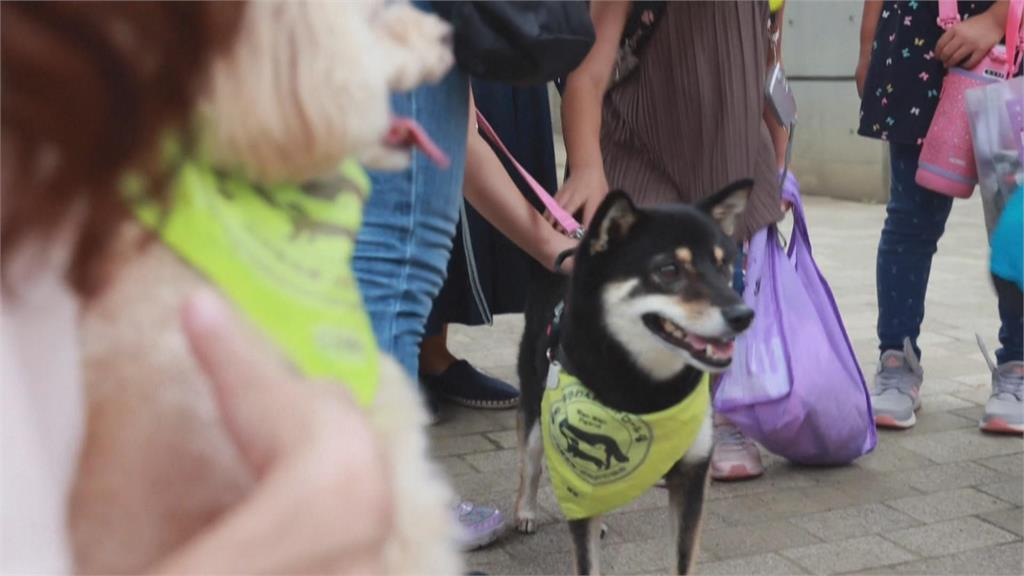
(599, 445)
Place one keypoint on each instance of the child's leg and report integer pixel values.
(1004, 411)
(735, 457)
(1011, 334)
(916, 218)
(1002, 238)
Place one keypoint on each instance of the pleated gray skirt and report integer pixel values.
(687, 120)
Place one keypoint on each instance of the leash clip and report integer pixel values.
(552, 351)
(554, 370)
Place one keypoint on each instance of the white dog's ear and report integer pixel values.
(419, 45)
(299, 91)
(726, 205)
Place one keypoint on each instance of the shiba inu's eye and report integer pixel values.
(667, 272)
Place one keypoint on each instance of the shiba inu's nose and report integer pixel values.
(738, 317)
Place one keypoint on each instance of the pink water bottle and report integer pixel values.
(946, 164)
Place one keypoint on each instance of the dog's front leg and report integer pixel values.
(531, 452)
(686, 486)
(586, 537)
(687, 482)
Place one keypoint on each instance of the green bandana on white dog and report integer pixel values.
(283, 255)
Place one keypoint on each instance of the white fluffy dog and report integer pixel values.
(306, 85)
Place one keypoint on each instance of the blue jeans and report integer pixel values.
(915, 220)
(401, 254)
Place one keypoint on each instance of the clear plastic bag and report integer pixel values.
(996, 115)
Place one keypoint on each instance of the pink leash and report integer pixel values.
(564, 218)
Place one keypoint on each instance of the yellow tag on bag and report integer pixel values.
(600, 459)
(283, 255)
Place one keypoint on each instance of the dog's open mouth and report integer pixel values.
(407, 133)
(710, 351)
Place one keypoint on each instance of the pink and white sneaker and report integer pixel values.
(735, 456)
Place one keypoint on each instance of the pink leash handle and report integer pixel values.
(564, 218)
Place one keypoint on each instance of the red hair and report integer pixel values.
(86, 88)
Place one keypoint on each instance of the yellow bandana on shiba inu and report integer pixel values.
(282, 255)
(599, 458)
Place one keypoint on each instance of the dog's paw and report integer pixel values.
(421, 46)
(526, 523)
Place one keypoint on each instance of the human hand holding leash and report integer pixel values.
(583, 190)
(582, 102)
(311, 449)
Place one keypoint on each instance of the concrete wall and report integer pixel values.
(820, 47)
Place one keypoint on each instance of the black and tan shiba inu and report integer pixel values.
(616, 356)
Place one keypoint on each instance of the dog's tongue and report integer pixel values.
(406, 132)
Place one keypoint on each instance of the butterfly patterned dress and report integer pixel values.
(904, 79)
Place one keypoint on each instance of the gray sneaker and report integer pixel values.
(897, 392)
(1004, 412)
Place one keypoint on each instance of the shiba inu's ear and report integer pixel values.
(727, 204)
(613, 220)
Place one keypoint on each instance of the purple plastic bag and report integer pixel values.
(795, 385)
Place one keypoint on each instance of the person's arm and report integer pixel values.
(868, 24)
(967, 42)
(581, 112)
(314, 454)
(494, 195)
(780, 137)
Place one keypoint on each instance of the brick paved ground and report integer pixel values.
(940, 498)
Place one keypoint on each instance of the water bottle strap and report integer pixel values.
(1014, 36)
(949, 14)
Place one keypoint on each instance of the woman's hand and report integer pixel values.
(793, 186)
(322, 501)
(967, 42)
(862, 72)
(583, 190)
(868, 25)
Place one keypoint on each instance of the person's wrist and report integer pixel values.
(588, 171)
(995, 17)
(555, 245)
(990, 24)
